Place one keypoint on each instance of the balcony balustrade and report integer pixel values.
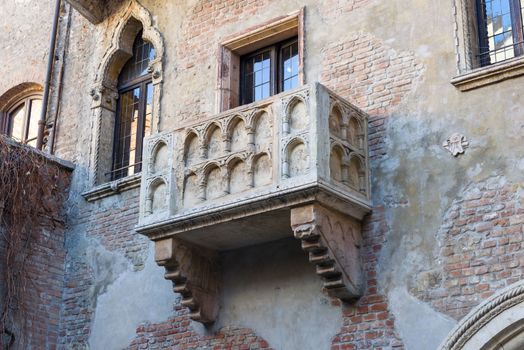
(293, 164)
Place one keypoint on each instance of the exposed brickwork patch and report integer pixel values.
(113, 227)
(376, 78)
(369, 324)
(176, 332)
(77, 306)
(332, 9)
(480, 248)
(199, 47)
(44, 268)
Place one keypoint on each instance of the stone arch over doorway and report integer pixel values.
(497, 323)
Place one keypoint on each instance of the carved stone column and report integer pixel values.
(333, 242)
(194, 272)
(103, 107)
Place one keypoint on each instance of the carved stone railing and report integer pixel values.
(294, 164)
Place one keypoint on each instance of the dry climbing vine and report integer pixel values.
(31, 193)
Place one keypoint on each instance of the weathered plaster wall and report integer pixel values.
(398, 70)
(395, 60)
(24, 37)
(281, 296)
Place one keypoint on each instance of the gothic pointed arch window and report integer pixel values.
(134, 110)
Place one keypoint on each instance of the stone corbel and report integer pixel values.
(92, 10)
(194, 273)
(155, 69)
(333, 242)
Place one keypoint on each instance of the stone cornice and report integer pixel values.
(490, 74)
(112, 188)
(252, 206)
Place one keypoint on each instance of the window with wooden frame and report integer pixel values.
(261, 61)
(134, 110)
(20, 121)
(269, 71)
(500, 29)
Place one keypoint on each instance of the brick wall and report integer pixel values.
(332, 9)
(111, 223)
(376, 78)
(199, 46)
(176, 332)
(44, 270)
(480, 247)
(361, 69)
(368, 324)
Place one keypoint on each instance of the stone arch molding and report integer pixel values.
(497, 323)
(129, 21)
(15, 93)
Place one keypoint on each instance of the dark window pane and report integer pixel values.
(263, 77)
(496, 26)
(143, 53)
(257, 77)
(127, 123)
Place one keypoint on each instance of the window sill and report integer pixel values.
(111, 188)
(490, 74)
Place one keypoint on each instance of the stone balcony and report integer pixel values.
(295, 164)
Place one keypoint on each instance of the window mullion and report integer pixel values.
(140, 126)
(242, 83)
(516, 23)
(27, 119)
(116, 138)
(3, 123)
(274, 71)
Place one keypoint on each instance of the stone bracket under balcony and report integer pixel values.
(295, 164)
(92, 10)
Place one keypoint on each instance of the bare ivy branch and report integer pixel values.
(31, 194)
